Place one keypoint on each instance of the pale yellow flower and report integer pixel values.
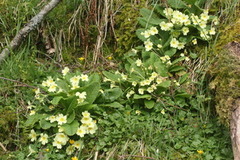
(138, 62)
(84, 77)
(81, 131)
(163, 111)
(57, 144)
(153, 31)
(78, 144)
(43, 138)
(138, 112)
(70, 150)
(65, 71)
(141, 91)
(61, 119)
(33, 135)
(61, 137)
(86, 114)
(174, 43)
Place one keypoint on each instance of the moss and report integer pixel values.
(126, 25)
(226, 84)
(8, 121)
(228, 34)
(226, 71)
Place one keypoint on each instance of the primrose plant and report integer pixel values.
(59, 118)
(168, 30)
(157, 70)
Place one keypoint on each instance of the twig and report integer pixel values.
(123, 156)
(33, 23)
(96, 155)
(5, 150)
(23, 84)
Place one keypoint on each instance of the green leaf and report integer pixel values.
(161, 69)
(195, 9)
(113, 94)
(177, 146)
(71, 129)
(183, 78)
(176, 68)
(145, 96)
(149, 103)
(113, 105)
(209, 157)
(71, 117)
(112, 76)
(138, 33)
(142, 21)
(165, 84)
(159, 9)
(184, 95)
(46, 124)
(92, 92)
(150, 17)
(171, 52)
(193, 55)
(73, 105)
(196, 143)
(56, 100)
(66, 102)
(178, 60)
(34, 118)
(86, 107)
(94, 78)
(149, 61)
(177, 4)
(63, 85)
(190, 1)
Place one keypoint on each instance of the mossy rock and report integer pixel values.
(226, 72)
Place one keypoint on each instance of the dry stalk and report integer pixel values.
(102, 24)
(3, 147)
(126, 156)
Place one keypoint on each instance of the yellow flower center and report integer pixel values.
(71, 141)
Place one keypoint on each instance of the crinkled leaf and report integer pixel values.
(94, 78)
(112, 76)
(113, 105)
(72, 105)
(71, 129)
(34, 119)
(44, 124)
(170, 52)
(149, 104)
(183, 78)
(139, 35)
(177, 4)
(56, 100)
(165, 84)
(86, 107)
(71, 117)
(112, 94)
(145, 96)
(159, 9)
(161, 69)
(63, 85)
(176, 68)
(178, 60)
